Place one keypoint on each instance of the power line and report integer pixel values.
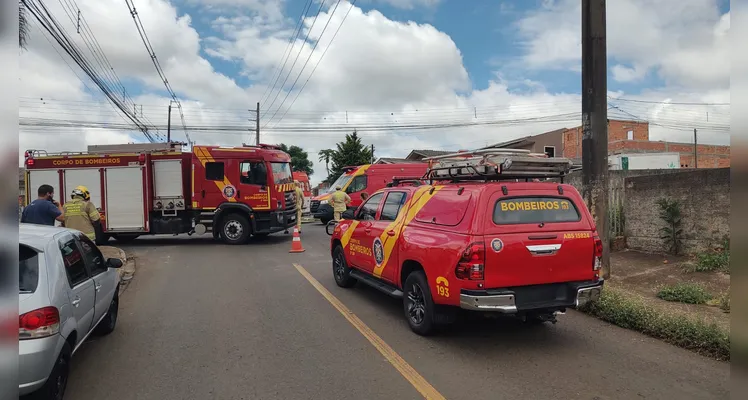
(668, 102)
(311, 53)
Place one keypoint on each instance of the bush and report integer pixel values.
(675, 328)
(712, 261)
(689, 293)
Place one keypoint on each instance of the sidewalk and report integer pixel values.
(128, 264)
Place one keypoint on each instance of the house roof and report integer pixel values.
(419, 154)
(523, 140)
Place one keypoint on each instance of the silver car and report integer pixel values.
(67, 291)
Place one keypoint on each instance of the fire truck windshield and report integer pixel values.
(281, 173)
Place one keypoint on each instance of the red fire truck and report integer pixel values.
(233, 192)
(303, 178)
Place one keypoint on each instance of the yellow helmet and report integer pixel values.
(82, 192)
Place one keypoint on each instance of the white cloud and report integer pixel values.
(622, 73)
(380, 71)
(411, 4)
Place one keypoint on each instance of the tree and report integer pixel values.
(23, 25)
(347, 153)
(326, 156)
(299, 158)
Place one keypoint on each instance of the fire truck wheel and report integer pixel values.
(418, 304)
(340, 270)
(235, 229)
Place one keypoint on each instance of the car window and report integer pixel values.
(28, 269)
(369, 210)
(253, 173)
(358, 184)
(392, 205)
(533, 210)
(92, 255)
(75, 267)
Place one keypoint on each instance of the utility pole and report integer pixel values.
(695, 151)
(257, 124)
(168, 126)
(372, 154)
(595, 120)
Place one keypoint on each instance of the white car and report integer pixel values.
(67, 290)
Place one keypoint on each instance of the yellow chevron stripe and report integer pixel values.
(204, 157)
(347, 234)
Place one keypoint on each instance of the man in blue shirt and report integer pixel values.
(45, 210)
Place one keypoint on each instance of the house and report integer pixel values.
(418, 155)
(548, 143)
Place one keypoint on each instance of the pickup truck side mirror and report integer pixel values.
(114, 263)
(349, 214)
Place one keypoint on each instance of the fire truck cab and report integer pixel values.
(231, 192)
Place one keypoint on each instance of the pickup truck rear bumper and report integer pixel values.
(551, 296)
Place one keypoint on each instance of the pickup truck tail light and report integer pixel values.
(472, 263)
(42, 322)
(597, 260)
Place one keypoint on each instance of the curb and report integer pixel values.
(127, 271)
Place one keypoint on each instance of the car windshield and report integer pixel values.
(281, 173)
(341, 181)
(28, 269)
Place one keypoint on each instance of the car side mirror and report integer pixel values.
(349, 214)
(114, 263)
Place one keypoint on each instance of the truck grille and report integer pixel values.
(290, 198)
(313, 206)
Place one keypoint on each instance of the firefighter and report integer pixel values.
(299, 204)
(340, 201)
(80, 213)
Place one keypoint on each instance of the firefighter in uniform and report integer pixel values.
(340, 201)
(80, 213)
(299, 204)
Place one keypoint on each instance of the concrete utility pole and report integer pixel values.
(168, 126)
(695, 151)
(595, 120)
(257, 124)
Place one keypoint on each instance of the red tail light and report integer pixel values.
(39, 323)
(598, 257)
(472, 262)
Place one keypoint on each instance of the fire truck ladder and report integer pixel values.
(496, 164)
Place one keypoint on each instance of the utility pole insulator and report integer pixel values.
(595, 121)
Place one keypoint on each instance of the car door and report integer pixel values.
(104, 278)
(385, 231)
(359, 246)
(362, 241)
(82, 292)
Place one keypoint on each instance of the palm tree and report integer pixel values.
(325, 156)
(23, 25)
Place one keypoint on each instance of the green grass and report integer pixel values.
(712, 261)
(678, 329)
(689, 293)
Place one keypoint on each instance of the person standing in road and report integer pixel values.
(299, 204)
(80, 213)
(340, 201)
(45, 210)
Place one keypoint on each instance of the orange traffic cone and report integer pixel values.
(296, 243)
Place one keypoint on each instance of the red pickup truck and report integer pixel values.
(485, 235)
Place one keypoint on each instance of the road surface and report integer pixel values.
(202, 320)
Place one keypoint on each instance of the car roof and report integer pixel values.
(38, 236)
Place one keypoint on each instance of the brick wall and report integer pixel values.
(617, 131)
(704, 198)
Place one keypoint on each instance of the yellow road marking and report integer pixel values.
(402, 366)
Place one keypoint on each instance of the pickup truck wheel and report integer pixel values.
(107, 325)
(340, 269)
(235, 229)
(418, 304)
(57, 381)
(324, 221)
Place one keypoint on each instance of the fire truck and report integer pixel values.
(303, 178)
(231, 192)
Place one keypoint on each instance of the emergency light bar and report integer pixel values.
(496, 164)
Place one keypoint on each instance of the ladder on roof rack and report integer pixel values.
(496, 164)
(398, 180)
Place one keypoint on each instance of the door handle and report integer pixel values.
(203, 193)
(97, 287)
(76, 302)
(390, 233)
(367, 230)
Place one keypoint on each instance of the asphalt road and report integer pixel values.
(202, 320)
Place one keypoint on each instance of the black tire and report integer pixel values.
(107, 325)
(57, 382)
(125, 237)
(418, 305)
(340, 270)
(235, 229)
(324, 221)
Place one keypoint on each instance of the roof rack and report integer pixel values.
(496, 164)
(414, 180)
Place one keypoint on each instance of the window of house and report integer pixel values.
(550, 151)
(630, 135)
(253, 173)
(214, 171)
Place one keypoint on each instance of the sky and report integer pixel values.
(407, 74)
